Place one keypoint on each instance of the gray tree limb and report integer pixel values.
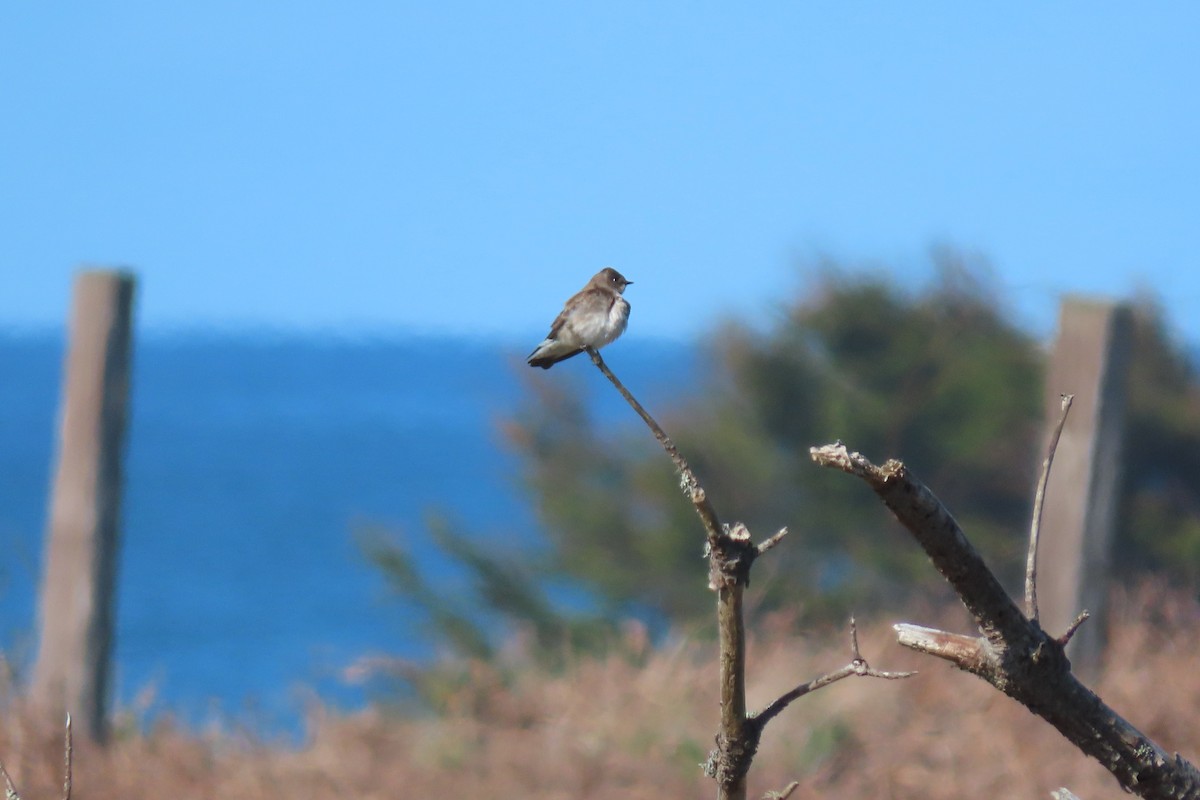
(1013, 654)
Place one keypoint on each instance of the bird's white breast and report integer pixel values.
(598, 330)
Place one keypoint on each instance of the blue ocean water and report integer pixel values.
(252, 460)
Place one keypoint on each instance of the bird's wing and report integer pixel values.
(558, 323)
(577, 301)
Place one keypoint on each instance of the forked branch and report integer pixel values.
(1014, 654)
(731, 552)
(857, 666)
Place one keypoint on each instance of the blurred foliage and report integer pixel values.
(503, 605)
(1160, 520)
(939, 376)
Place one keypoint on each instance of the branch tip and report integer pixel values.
(67, 758)
(688, 481)
(858, 666)
(1073, 627)
(1039, 500)
(10, 791)
(784, 794)
(771, 542)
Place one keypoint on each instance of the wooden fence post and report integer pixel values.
(77, 595)
(1091, 361)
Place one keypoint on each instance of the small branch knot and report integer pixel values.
(730, 760)
(730, 556)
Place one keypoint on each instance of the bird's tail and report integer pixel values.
(549, 353)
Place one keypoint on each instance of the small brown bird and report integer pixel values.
(594, 317)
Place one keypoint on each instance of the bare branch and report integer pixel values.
(939, 534)
(1074, 626)
(1015, 655)
(774, 540)
(67, 756)
(1039, 500)
(730, 554)
(968, 652)
(10, 791)
(857, 666)
(783, 795)
(691, 486)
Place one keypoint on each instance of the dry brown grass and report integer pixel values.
(625, 727)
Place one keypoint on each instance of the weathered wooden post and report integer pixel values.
(77, 596)
(1091, 361)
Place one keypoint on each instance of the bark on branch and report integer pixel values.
(857, 666)
(1013, 654)
(731, 552)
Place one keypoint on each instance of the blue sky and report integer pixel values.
(463, 168)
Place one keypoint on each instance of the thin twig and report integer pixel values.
(691, 485)
(67, 773)
(1074, 626)
(1039, 499)
(857, 666)
(783, 795)
(659, 433)
(774, 540)
(10, 791)
(730, 773)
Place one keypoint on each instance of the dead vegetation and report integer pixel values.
(637, 724)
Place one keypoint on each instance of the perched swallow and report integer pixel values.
(592, 318)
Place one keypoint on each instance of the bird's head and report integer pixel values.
(612, 279)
